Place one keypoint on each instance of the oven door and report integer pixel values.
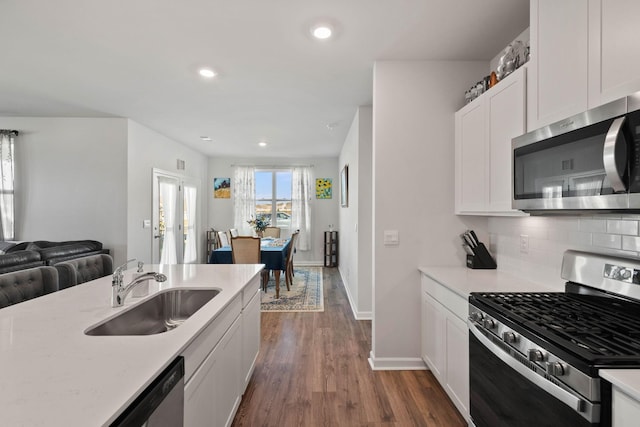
(505, 392)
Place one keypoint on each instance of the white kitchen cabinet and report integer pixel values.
(625, 409)
(484, 130)
(558, 70)
(445, 341)
(220, 361)
(212, 395)
(614, 52)
(250, 334)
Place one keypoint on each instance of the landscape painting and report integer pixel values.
(221, 188)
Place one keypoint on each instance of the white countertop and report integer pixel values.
(52, 374)
(463, 281)
(627, 380)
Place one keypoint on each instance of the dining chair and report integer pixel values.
(233, 232)
(223, 239)
(271, 232)
(288, 273)
(246, 250)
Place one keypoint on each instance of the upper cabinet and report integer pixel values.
(557, 78)
(583, 54)
(614, 51)
(484, 129)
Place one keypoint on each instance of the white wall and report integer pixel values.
(355, 220)
(147, 150)
(549, 237)
(323, 212)
(413, 192)
(71, 179)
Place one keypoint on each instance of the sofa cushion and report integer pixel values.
(81, 270)
(24, 285)
(19, 260)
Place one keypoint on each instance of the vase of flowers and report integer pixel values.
(258, 224)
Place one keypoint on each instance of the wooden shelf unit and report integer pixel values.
(330, 248)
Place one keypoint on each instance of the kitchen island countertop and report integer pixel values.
(55, 375)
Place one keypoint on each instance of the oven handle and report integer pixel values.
(559, 393)
(614, 137)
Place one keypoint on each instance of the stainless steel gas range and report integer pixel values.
(534, 358)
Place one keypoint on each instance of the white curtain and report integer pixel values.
(300, 211)
(244, 199)
(168, 197)
(190, 252)
(7, 230)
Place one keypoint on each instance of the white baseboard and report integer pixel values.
(396, 363)
(358, 315)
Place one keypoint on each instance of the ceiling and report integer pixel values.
(139, 59)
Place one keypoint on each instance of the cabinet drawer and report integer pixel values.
(202, 345)
(452, 301)
(250, 290)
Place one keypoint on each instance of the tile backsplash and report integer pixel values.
(549, 237)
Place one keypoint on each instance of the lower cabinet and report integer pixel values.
(626, 410)
(445, 341)
(212, 395)
(220, 361)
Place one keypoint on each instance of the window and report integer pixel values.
(7, 227)
(273, 196)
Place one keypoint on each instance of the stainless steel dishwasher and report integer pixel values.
(161, 404)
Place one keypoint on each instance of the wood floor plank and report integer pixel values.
(313, 370)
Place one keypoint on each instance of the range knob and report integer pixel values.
(535, 355)
(489, 323)
(476, 316)
(557, 369)
(625, 273)
(509, 337)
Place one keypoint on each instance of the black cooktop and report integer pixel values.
(600, 331)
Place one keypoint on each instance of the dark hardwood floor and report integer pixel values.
(312, 370)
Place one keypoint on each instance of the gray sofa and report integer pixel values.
(24, 285)
(15, 256)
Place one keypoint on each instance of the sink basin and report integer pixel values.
(161, 313)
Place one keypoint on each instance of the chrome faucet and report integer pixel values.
(120, 291)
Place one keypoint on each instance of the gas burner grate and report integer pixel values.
(593, 327)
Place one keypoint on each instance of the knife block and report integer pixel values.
(482, 259)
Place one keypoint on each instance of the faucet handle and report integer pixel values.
(140, 267)
(118, 274)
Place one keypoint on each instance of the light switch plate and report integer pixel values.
(146, 223)
(391, 237)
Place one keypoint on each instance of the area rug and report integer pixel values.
(306, 292)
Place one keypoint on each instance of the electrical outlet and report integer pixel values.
(524, 244)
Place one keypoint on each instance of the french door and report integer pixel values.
(175, 218)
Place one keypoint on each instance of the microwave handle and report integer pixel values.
(614, 137)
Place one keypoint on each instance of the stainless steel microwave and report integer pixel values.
(588, 162)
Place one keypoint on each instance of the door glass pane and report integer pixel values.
(189, 217)
(168, 191)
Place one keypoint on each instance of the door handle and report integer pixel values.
(157, 236)
(610, 158)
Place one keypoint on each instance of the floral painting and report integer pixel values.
(221, 188)
(323, 188)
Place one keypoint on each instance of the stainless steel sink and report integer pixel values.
(162, 312)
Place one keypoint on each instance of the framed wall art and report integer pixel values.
(323, 188)
(221, 188)
(344, 186)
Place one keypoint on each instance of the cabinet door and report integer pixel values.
(470, 163)
(557, 83)
(434, 336)
(212, 395)
(250, 338)
(201, 393)
(614, 52)
(506, 120)
(626, 410)
(458, 363)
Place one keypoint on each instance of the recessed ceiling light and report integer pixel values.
(207, 73)
(322, 31)
(262, 144)
(205, 138)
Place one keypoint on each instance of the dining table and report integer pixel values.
(273, 254)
